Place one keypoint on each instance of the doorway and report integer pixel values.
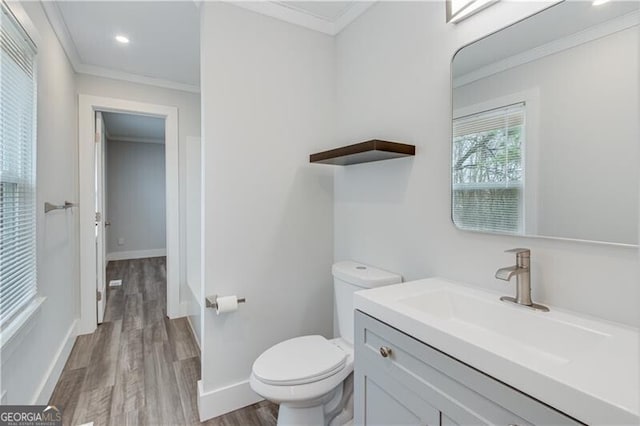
(130, 194)
(102, 119)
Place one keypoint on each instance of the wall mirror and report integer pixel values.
(545, 137)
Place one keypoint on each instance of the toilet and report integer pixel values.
(310, 376)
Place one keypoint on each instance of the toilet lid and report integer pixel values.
(298, 361)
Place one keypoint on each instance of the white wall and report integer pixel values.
(194, 238)
(188, 105)
(267, 99)
(587, 143)
(393, 81)
(136, 207)
(30, 367)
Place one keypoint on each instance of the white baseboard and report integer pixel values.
(45, 390)
(136, 254)
(224, 400)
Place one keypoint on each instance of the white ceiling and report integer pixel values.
(165, 39)
(165, 35)
(133, 128)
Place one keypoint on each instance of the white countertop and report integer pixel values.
(588, 369)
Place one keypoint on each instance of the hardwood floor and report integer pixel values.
(139, 367)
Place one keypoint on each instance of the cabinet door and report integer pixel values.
(384, 407)
(384, 401)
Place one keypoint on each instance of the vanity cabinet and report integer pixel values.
(402, 381)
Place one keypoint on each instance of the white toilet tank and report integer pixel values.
(349, 277)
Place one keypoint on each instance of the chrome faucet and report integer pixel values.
(522, 272)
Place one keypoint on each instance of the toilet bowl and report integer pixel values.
(307, 375)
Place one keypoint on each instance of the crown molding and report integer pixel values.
(62, 32)
(351, 14)
(135, 78)
(134, 140)
(111, 138)
(289, 13)
(593, 33)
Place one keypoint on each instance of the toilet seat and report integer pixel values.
(299, 361)
(308, 394)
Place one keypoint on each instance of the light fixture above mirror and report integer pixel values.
(457, 10)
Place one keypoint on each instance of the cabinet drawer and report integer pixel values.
(462, 394)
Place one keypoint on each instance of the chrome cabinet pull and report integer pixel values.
(385, 351)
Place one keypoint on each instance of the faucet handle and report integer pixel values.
(522, 256)
(520, 252)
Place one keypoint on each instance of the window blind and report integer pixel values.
(17, 168)
(506, 117)
(488, 174)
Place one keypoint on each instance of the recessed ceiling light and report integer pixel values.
(122, 39)
(599, 2)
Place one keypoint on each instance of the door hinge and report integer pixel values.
(98, 217)
(98, 295)
(97, 137)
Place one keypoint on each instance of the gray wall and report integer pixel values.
(586, 171)
(135, 196)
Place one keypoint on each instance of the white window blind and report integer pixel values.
(488, 171)
(17, 168)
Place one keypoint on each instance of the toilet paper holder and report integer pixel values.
(212, 301)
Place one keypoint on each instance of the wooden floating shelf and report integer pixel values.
(364, 152)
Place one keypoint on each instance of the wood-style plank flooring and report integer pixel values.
(139, 367)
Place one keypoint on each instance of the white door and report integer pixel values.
(101, 277)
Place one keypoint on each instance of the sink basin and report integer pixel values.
(584, 367)
(523, 332)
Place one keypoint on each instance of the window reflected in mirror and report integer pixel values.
(488, 175)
